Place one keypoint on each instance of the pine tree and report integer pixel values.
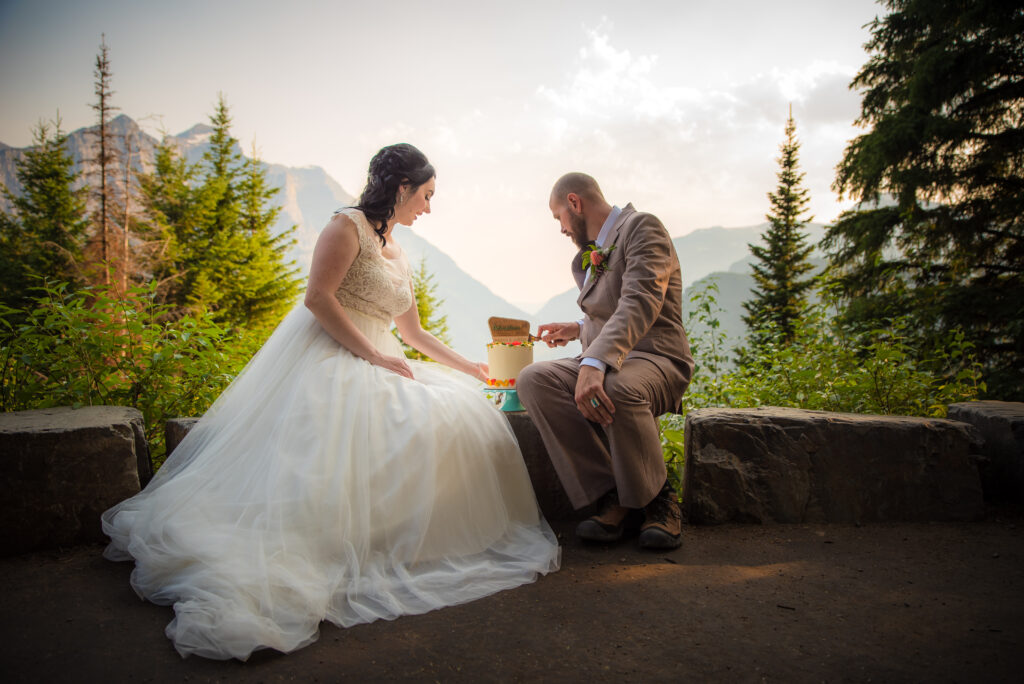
(268, 283)
(781, 294)
(942, 94)
(428, 306)
(105, 161)
(217, 254)
(45, 235)
(220, 254)
(171, 219)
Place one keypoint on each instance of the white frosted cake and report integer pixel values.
(505, 360)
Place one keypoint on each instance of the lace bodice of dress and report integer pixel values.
(374, 285)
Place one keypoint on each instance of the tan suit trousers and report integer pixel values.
(591, 459)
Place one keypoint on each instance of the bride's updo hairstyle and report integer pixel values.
(392, 167)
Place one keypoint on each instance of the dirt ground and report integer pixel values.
(737, 603)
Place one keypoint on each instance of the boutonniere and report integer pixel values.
(598, 258)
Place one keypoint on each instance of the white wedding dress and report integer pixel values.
(321, 487)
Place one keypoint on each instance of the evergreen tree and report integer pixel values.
(215, 219)
(780, 297)
(105, 160)
(45, 235)
(429, 308)
(171, 219)
(943, 92)
(268, 283)
(217, 253)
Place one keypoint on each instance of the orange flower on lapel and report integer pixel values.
(598, 258)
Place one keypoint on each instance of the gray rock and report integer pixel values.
(1001, 424)
(772, 464)
(175, 430)
(60, 468)
(551, 496)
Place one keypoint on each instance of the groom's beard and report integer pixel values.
(578, 231)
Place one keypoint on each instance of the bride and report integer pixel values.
(333, 479)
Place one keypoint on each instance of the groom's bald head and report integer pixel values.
(578, 205)
(579, 184)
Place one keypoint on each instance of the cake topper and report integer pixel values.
(508, 330)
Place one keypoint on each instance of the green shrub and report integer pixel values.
(93, 347)
(825, 367)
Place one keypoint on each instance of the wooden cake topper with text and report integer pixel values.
(509, 329)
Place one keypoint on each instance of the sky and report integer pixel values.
(674, 105)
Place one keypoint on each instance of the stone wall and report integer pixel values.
(60, 468)
(787, 465)
(1001, 424)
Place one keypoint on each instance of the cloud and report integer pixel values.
(703, 155)
(696, 157)
(610, 83)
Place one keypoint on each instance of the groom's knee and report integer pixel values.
(526, 383)
(537, 380)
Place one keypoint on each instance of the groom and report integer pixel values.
(598, 413)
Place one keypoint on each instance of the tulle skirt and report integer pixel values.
(321, 487)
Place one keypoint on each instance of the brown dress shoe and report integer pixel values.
(610, 522)
(662, 528)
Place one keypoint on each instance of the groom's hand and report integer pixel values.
(558, 334)
(590, 391)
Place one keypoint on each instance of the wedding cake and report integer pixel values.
(509, 352)
(505, 360)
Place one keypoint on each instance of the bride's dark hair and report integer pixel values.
(392, 167)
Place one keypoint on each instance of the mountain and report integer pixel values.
(719, 254)
(308, 197)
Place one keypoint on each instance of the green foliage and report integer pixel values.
(96, 347)
(429, 308)
(671, 428)
(172, 217)
(45, 235)
(781, 290)
(215, 219)
(709, 348)
(710, 385)
(829, 367)
(825, 366)
(942, 95)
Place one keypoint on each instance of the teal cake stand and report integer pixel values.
(503, 399)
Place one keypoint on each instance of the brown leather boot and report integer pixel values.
(662, 528)
(610, 522)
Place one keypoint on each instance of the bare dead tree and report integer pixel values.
(125, 254)
(107, 152)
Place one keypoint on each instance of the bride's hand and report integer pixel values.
(481, 371)
(395, 364)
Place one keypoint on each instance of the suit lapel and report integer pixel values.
(613, 235)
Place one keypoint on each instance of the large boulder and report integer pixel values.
(550, 495)
(60, 468)
(1001, 424)
(175, 430)
(772, 464)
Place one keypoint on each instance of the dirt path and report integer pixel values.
(940, 602)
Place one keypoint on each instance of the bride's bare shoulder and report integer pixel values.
(340, 231)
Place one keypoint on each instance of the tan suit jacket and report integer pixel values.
(634, 307)
(634, 324)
